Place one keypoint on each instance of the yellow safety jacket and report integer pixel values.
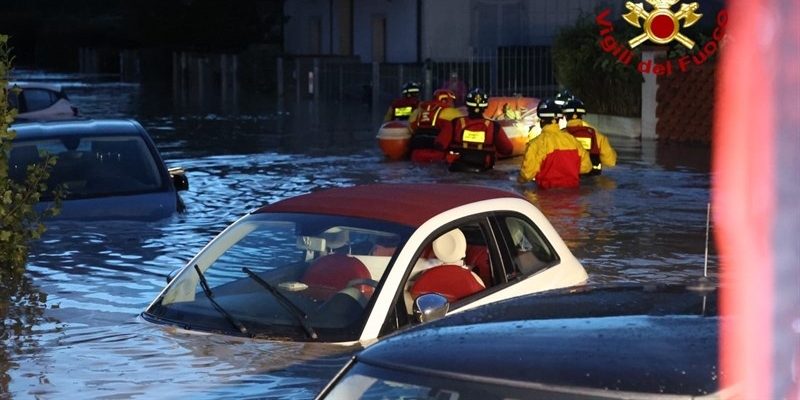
(554, 159)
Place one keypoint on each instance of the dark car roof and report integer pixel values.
(405, 203)
(627, 338)
(78, 126)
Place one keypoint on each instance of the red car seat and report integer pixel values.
(454, 282)
(452, 279)
(332, 273)
(478, 258)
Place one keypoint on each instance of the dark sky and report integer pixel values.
(39, 28)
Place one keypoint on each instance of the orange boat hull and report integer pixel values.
(393, 139)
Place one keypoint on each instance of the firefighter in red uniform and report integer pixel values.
(597, 144)
(426, 124)
(473, 142)
(554, 158)
(401, 108)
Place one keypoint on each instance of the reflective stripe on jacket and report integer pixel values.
(426, 116)
(479, 134)
(401, 109)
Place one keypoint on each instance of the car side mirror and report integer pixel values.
(430, 307)
(179, 179)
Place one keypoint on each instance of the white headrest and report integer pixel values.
(450, 247)
(336, 237)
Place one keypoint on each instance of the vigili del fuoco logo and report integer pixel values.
(661, 25)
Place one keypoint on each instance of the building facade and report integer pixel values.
(412, 31)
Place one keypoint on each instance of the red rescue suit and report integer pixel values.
(425, 124)
(473, 143)
(588, 139)
(554, 159)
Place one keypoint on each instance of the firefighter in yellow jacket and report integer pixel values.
(554, 158)
(600, 151)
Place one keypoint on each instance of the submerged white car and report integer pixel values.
(345, 265)
(40, 101)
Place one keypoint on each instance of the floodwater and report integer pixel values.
(71, 327)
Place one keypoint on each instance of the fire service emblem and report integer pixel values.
(661, 25)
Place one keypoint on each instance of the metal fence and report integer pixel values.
(501, 71)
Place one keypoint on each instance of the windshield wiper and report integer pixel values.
(210, 296)
(298, 314)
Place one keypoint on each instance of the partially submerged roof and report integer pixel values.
(34, 85)
(74, 126)
(651, 339)
(405, 203)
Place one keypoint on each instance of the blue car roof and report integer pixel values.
(628, 338)
(76, 127)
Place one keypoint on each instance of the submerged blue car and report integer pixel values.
(613, 342)
(106, 168)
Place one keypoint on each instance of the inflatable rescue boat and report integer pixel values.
(516, 115)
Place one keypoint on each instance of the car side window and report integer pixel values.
(528, 250)
(38, 99)
(464, 252)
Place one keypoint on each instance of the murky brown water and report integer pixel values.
(71, 327)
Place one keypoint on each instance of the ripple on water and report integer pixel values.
(78, 334)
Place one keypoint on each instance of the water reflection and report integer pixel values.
(71, 325)
(22, 306)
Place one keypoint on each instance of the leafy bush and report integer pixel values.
(599, 79)
(20, 223)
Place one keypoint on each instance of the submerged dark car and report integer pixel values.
(106, 168)
(622, 342)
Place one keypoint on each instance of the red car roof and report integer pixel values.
(405, 203)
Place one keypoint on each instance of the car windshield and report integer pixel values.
(90, 166)
(289, 276)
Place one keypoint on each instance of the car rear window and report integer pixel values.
(91, 166)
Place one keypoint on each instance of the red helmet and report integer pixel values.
(444, 96)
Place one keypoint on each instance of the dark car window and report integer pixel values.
(37, 99)
(527, 247)
(91, 166)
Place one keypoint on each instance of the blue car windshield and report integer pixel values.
(90, 166)
(266, 269)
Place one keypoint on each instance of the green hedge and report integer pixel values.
(19, 221)
(605, 85)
